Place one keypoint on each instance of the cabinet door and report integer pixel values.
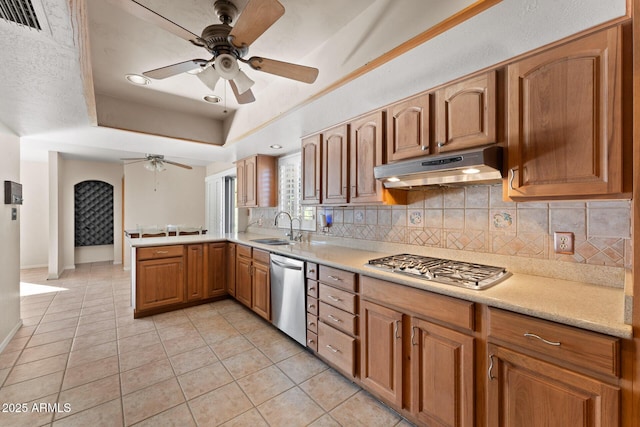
(261, 302)
(408, 129)
(240, 184)
(195, 272)
(159, 282)
(442, 375)
(216, 270)
(527, 392)
(250, 182)
(564, 120)
(335, 163)
(311, 169)
(231, 269)
(381, 351)
(366, 152)
(466, 113)
(243, 280)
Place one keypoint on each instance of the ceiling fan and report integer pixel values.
(155, 162)
(227, 44)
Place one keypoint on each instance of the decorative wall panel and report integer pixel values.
(93, 213)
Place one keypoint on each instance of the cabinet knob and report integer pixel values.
(424, 148)
(441, 144)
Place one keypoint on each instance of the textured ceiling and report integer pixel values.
(41, 88)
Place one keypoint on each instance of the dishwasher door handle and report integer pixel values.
(288, 266)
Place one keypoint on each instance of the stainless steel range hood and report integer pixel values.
(474, 166)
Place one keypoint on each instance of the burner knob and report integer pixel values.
(403, 266)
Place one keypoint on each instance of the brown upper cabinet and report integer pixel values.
(366, 145)
(565, 127)
(466, 113)
(257, 181)
(311, 169)
(408, 128)
(335, 165)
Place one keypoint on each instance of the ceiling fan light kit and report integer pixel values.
(227, 44)
(137, 79)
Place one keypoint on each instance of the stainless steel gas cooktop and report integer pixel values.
(457, 273)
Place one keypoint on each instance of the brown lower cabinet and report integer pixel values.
(253, 281)
(545, 374)
(400, 342)
(174, 276)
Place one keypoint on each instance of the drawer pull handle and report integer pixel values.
(311, 306)
(312, 288)
(332, 298)
(334, 318)
(512, 175)
(310, 341)
(332, 349)
(312, 324)
(162, 252)
(334, 278)
(311, 270)
(555, 343)
(395, 332)
(413, 334)
(489, 373)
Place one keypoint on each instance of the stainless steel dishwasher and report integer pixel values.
(288, 297)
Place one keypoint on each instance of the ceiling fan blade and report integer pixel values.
(255, 19)
(284, 69)
(172, 70)
(209, 77)
(142, 12)
(177, 164)
(242, 98)
(134, 158)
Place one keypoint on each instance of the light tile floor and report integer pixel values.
(214, 364)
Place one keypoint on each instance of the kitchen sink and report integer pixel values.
(272, 241)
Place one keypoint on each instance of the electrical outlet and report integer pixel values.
(563, 242)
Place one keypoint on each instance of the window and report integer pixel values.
(290, 193)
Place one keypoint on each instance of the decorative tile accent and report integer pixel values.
(502, 220)
(469, 240)
(427, 237)
(414, 217)
(358, 216)
(601, 251)
(529, 245)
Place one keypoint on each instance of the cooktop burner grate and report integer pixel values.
(458, 273)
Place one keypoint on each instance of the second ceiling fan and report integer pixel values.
(227, 44)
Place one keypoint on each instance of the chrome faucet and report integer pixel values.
(275, 223)
(298, 236)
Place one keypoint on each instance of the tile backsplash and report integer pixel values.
(475, 218)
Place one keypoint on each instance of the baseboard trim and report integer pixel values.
(27, 267)
(5, 342)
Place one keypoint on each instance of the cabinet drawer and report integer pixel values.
(337, 347)
(159, 252)
(338, 298)
(261, 256)
(443, 309)
(337, 318)
(312, 306)
(312, 340)
(312, 288)
(590, 350)
(312, 323)
(244, 251)
(340, 278)
(311, 270)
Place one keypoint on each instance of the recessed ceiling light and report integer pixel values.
(137, 79)
(276, 146)
(213, 99)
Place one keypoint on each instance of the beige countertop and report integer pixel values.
(592, 307)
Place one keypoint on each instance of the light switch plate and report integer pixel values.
(563, 242)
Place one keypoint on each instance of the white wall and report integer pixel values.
(34, 214)
(174, 196)
(9, 241)
(74, 172)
